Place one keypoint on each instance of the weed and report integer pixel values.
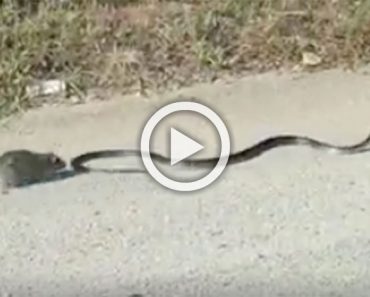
(117, 44)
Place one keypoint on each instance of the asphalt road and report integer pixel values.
(293, 222)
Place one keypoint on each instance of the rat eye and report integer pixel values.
(55, 159)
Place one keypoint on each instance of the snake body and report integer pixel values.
(241, 156)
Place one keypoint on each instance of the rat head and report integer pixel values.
(55, 161)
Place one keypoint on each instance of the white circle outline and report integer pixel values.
(216, 121)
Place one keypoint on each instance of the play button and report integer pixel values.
(182, 147)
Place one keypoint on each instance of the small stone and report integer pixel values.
(310, 59)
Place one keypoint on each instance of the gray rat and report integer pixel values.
(21, 167)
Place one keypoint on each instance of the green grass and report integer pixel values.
(116, 45)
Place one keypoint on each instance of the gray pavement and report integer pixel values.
(293, 222)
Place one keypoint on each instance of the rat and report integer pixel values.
(21, 167)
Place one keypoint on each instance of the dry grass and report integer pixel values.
(166, 43)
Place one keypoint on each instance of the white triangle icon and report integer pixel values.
(182, 146)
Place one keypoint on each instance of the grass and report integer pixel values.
(119, 45)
